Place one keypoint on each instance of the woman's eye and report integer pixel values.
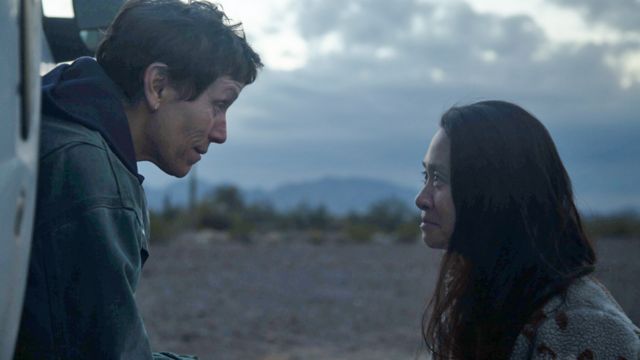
(438, 179)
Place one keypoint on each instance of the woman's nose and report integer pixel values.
(423, 199)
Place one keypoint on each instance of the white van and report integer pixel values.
(28, 41)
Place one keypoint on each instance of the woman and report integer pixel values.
(514, 282)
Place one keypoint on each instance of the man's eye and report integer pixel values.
(221, 105)
(425, 177)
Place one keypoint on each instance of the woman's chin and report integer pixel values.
(434, 242)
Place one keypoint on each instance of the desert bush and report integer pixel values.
(407, 232)
(360, 232)
(240, 228)
(317, 237)
(305, 217)
(262, 216)
(227, 198)
(208, 216)
(165, 227)
(387, 215)
(623, 224)
(225, 209)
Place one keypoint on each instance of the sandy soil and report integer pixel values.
(286, 302)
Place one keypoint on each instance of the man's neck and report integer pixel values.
(137, 117)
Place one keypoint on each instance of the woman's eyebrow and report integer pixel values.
(435, 167)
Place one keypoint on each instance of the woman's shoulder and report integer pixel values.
(585, 323)
(588, 293)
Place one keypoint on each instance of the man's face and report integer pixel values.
(180, 131)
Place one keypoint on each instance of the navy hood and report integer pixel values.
(83, 93)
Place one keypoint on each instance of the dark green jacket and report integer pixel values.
(90, 238)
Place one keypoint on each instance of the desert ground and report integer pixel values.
(225, 300)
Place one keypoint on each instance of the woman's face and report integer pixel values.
(438, 212)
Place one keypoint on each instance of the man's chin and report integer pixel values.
(182, 172)
(177, 171)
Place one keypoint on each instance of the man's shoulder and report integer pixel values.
(57, 134)
(78, 170)
(72, 152)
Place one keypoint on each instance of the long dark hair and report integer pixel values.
(518, 237)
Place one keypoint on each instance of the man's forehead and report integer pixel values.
(225, 86)
(227, 82)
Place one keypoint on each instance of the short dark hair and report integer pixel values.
(194, 39)
(518, 237)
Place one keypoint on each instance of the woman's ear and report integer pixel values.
(155, 82)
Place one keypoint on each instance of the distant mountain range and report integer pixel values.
(338, 195)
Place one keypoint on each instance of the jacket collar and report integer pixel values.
(82, 92)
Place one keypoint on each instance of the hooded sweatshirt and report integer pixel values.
(91, 226)
(81, 92)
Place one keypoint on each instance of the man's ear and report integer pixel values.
(156, 81)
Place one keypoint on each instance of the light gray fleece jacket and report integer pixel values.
(586, 325)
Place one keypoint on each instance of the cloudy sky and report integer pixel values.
(356, 87)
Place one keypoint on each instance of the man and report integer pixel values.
(158, 90)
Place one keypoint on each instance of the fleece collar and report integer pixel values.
(82, 92)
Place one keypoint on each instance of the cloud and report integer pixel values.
(621, 20)
(378, 75)
(620, 14)
(448, 43)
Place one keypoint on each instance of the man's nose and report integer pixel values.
(218, 133)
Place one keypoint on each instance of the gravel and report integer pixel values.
(303, 301)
